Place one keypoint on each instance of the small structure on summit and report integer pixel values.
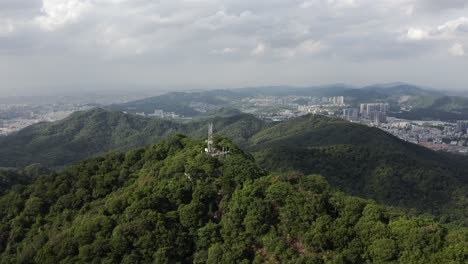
(210, 149)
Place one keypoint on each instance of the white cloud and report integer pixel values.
(342, 3)
(310, 47)
(417, 34)
(150, 34)
(307, 4)
(260, 49)
(116, 42)
(305, 48)
(6, 27)
(409, 10)
(457, 25)
(226, 51)
(221, 19)
(58, 13)
(457, 50)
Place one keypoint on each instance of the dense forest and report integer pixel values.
(368, 162)
(172, 203)
(355, 159)
(97, 131)
(445, 108)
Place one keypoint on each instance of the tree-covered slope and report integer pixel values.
(88, 133)
(171, 203)
(447, 108)
(367, 162)
(82, 135)
(445, 103)
(190, 103)
(239, 128)
(356, 159)
(182, 103)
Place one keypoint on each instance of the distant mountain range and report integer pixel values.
(447, 108)
(359, 160)
(421, 103)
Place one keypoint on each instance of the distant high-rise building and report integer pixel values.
(339, 100)
(379, 117)
(462, 126)
(159, 113)
(362, 108)
(384, 107)
(369, 110)
(373, 108)
(351, 114)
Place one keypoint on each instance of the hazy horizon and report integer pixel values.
(146, 91)
(71, 46)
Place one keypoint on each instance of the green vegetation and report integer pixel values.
(82, 135)
(445, 103)
(447, 108)
(10, 177)
(178, 102)
(86, 134)
(171, 203)
(368, 162)
(356, 159)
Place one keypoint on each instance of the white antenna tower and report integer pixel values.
(210, 138)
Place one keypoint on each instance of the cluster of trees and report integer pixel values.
(82, 135)
(356, 159)
(368, 163)
(178, 102)
(11, 177)
(173, 203)
(446, 108)
(97, 131)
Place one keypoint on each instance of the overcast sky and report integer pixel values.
(61, 45)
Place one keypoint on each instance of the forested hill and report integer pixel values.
(182, 103)
(172, 203)
(81, 135)
(447, 108)
(96, 131)
(367, 162)
(356, 159)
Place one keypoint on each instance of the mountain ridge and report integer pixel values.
(171, 202)
(354, 158)
(188, 103)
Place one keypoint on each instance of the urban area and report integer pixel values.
(433, 134)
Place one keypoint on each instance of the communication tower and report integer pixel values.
(210, 148)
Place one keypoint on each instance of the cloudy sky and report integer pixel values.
(61, 45)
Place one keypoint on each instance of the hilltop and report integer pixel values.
(194, 104)
(447, 108)
(171, 203)
(81, 135)
(367, 162)
(356, 159)
(181, 103)
(88, 133)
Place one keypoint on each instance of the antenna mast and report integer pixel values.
(210, 138)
